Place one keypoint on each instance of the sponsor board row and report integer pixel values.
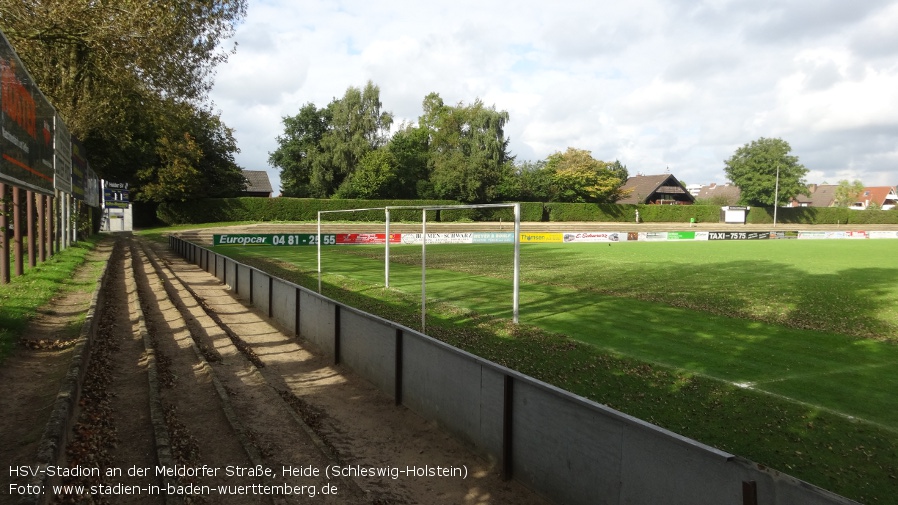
(298, 239)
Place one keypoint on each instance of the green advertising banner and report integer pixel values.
(681, 235)
(276, 239)
(27, 126)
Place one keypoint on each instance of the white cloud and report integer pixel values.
(656, 84)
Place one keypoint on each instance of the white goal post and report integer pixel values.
(424, 209)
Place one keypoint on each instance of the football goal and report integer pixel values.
(424, 241)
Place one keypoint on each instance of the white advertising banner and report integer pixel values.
(439, 238)
(595, 237)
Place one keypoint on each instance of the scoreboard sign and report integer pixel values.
(278, 239)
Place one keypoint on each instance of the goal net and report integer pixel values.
(424, 242)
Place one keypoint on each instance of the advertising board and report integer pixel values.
(438, 238)
(79, 168)
(738, 235)
(62, 159)
(115, 195)
(485, 237)
(593, 237)
(27, 137)
(542, 238)
(275, 239)
(367, 238)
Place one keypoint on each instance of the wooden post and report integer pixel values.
(52, 242)
(17, 229)
(41, 241)
(29, 221)
(4, 237)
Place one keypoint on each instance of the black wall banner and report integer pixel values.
(26, 145)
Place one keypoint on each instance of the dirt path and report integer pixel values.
(187, 379)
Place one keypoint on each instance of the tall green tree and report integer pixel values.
(527, 181)
(578, 177)
(846, 192)
(298, 148)
(410, 147)
(469, 155)
(357, 126)
(194, 158)
(110, 67)
(376, 177)
(754, 167)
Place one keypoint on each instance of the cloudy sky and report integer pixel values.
(660, 85)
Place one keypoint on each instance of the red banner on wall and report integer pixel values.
(368, 238)
(26, 146)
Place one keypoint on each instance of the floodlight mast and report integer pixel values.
(776, 194)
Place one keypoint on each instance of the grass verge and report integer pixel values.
(21, 299)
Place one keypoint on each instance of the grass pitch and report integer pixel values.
(780, 351)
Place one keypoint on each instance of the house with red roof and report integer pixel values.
(884, 197)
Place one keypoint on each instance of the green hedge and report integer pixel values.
(821, 215)
(306, 209)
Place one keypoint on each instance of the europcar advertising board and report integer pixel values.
(277, 239)
(27, 127)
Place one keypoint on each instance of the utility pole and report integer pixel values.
(776, 194)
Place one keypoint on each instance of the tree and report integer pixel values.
(578, 177)
(194, 158)
(110, 67)
(410, 147)
(469, 155)
(753, 168)
(846, 192)
(527, 181)
(357, 126)
(297, 149)
(375, 178)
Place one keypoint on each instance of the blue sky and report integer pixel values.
(658, 85)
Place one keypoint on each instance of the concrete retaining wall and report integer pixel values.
(565, 447)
